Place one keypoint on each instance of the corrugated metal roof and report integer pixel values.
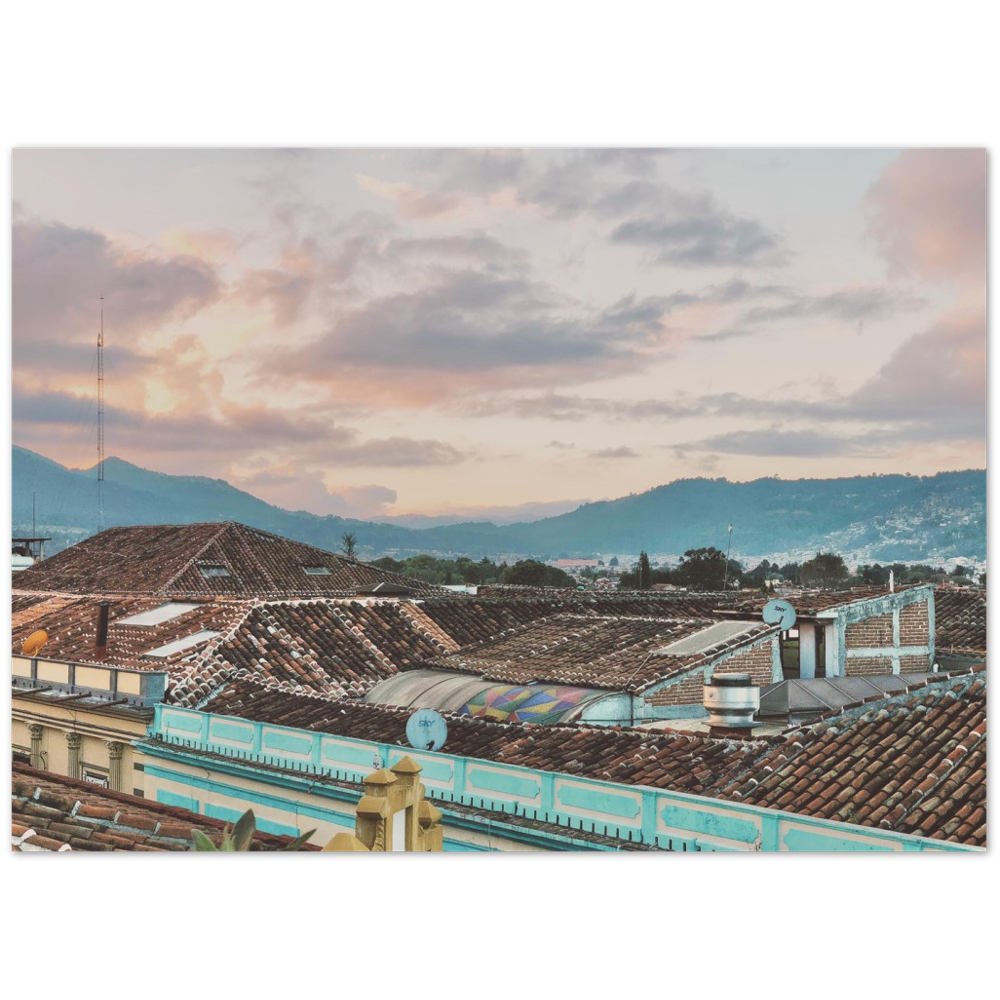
(437, 689)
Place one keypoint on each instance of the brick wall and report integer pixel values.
(868, 666)
(871, 633)
(755, 661)
(914, 664)
(914, 629)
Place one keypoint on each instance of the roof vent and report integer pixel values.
(731, 701)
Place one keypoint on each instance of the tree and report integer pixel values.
(348, 541)
(527, 573)
(644, 571)
(825, 571)
(613, 561)
(705, 569)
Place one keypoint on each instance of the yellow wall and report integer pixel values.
(96, 729)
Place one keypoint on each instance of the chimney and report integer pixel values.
(731, 701)
(101, 646)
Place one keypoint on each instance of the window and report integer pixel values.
(210, 571)
(316, 570)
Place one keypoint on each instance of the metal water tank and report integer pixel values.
(731, 701)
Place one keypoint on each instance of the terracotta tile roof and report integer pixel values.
(669, 760)
(208, 560)
(469, 620)
(71, 624)
(50, 812)
(913, 764)
(811, 602)
(616, 653)
(333, 648)
(959, 618)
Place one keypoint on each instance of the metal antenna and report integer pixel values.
(729, 548)
(100, 423)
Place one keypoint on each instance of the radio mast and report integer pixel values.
(100, 423)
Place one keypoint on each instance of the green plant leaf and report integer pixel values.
(296, 844)
(201, 842)
(244, 830)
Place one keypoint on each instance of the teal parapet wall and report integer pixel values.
(631, 813)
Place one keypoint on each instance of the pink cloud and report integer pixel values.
(927, 213)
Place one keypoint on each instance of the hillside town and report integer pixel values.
(498, 500)
(168, 680)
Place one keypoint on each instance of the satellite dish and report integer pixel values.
(779, 612)
(34, 642)
(426, 730)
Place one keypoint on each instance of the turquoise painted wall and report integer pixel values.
(669, 819)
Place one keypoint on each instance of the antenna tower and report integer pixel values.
(100, 422)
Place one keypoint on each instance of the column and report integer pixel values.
(115, 751)
(35, 732)
(73, 744)
(409, 791)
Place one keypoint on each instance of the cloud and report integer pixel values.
(927, 214)
(774, 442)
(485, 321)
(721, 335)
(295, 488)
(852, 304)
(695, 231)
(618, 185)
(560, 407)
(562, 445)
(621, 452)
(230, 434)
(60, 272)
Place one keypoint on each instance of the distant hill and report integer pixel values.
(866, 518)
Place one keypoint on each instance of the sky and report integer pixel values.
(373, 332)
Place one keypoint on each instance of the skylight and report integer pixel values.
(173, 609)
(705, 639)
(180, 644)
(209, 571)
(316, 570)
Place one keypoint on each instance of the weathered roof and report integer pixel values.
(332, 648)
(623, 654)
(223, 559)
(50, 812)
(71, 624)
(913, 763)
(808, 603)
(959, 618)
(667, 760)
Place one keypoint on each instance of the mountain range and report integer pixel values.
(864, 518)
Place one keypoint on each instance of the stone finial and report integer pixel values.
(407, 770)
(345, 842)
